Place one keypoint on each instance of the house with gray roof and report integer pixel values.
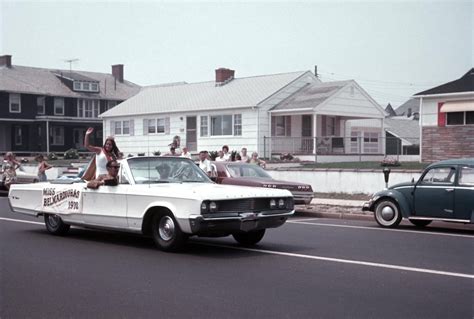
(269, 114)
(49, 110)
(447, 119)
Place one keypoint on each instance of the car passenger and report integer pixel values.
(109, 151)
(204, 163)
(109, 179)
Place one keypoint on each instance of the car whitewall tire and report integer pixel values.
(166, 232)
(55, 225)
(387, 213)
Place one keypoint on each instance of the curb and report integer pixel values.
(322, 211)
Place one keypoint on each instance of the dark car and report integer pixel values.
(445, 191)
(236, 173)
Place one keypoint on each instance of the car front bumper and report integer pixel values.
(238, 222)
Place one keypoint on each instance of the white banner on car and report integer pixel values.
(62, 200)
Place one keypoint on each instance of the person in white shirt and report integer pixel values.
(244, 156)
(185, 153)
(225, 150)
(204, 163)
(220, 157)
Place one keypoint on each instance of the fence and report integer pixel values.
(342, 146)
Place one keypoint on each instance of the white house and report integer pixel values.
(263, 113)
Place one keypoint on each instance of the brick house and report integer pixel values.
(49, 110)
(447, 120)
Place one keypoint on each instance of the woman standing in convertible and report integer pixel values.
(109, 151)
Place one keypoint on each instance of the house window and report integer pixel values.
(238, 124)
(111, 104)
(77, 86)
(88, 108)
(281, 126)
(221, 125)
(355, 142)
(122, 127)
(15, 103)
(18, 135)
(371, 142)
(460, 118)
(160, 125)
(58, 106)
(455, 118)
(86, 86)
(94, 87)
(204, 126)
(40, 105)
(151, 126)
(57, 135)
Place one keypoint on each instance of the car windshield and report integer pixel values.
(249, 170)
(150, 170)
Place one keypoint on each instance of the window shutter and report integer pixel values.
(288, 125)
(167, 125)
(441, 116)
(112, 128)
(145, 126)
(132, 127)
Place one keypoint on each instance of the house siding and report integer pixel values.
(440, 143)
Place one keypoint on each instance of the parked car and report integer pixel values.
(167, 198)
(236, 173)
(22, 177)
(445, 191)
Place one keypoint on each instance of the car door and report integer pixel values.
(106, 206)
(434, 193)
(464, 194)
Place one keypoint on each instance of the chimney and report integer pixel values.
(224, 76)
(409, 112)
(6, 60)
(117, 72)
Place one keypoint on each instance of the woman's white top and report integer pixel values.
(100, 164)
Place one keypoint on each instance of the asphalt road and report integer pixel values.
(309, 268)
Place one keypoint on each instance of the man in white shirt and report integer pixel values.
(220, 157)
(204, 163)
(225, 150)
(185, 153)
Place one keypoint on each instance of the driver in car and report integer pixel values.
(109, 179)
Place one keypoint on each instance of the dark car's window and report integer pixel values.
(249, 170)
(439, 175)
(466, 176)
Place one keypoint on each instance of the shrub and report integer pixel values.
(52, 157)
(286, 157)
(213, 155)
(71, 154)
(389, 161)
(233, 154)
(157, 153)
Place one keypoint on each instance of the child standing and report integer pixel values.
(42, 167)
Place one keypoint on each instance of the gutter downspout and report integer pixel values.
(420, 123)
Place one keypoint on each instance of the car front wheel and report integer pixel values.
(55, 225)
(420, 222)
(249, 238)
(166, 233)
(387, 213)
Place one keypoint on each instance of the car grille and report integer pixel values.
(250, 204)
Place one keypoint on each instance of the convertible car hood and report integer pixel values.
(209, 191)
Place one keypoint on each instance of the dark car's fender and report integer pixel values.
(403, 204)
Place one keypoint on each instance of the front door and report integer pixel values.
(434, 193)
(191, 133)
(307, 133)
(78, 138)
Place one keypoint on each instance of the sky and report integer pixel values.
(393, 49)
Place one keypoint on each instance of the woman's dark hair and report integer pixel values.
(226, 147)
(115, 149)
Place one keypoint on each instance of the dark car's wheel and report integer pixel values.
(55, 225)
(387, 213)
(249, 238)
(166, 232)
(420, 222)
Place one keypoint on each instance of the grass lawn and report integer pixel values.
(365, 165)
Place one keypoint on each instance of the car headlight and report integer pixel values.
(272, 203)
(203, 207)
(281, 203)
(212, 207)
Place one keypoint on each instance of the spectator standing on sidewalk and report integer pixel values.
(10, 165)
(42, 167)
(204, 163)
(225, 150)
(255, 160)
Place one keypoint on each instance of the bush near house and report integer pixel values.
(389, 161)
(52, 157)
(71, 154)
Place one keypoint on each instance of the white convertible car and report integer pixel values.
(167, 198)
